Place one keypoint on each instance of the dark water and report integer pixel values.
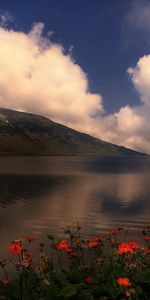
(40, 195)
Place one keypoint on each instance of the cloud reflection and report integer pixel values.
(43, 204)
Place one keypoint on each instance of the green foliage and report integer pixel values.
(68, 291)
(100, 268)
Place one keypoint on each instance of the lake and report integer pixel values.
(39, 195)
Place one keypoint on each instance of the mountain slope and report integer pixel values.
(29, 134)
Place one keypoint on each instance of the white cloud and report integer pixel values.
(131, 125)
(37, 76)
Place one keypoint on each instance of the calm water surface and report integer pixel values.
(40, 195)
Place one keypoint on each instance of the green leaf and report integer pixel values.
(68, 291)
(61, 278)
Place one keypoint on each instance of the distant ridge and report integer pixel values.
(29, 134)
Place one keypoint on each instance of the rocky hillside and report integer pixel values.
(29, 134)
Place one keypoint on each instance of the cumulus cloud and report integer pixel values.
(37, 76)
(130, 126)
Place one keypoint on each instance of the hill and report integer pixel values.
(28, 134)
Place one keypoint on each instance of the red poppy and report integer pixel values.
(123, 281)
(68, 249)
(88, 279)
(19, 241)
(93, 244)
(146, 238)
(111, 240)
(98, 238)
(63, 246)
(134, 245)
(30, 238)
(124, 248)
(146, 251)
(15, 248)
(112, 232)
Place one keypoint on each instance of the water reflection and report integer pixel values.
(41, 204)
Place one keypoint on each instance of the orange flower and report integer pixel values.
(134, 245)
(63, 246)
(15, 248)
(93, 244)
(124, 248)
(88, 279)
(123, 281)
(30, 238)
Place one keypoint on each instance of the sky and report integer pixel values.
(82, 63)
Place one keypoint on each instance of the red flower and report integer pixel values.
(111, 240)
(30, 238)
(88, 279)
(146, 251)
(15, 248)
(123, 281)
(19, 241)
(124, 248)
(68, 249)
(134, 245)
(112, 232)
(93, 244)
(63, 246)
(98, 238)
(146, 238)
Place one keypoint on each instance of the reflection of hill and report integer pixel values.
(44, 203)
(27, 188)
(116, 165)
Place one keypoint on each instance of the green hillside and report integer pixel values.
(29, 134)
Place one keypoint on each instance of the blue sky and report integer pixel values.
(105, 37)
(96, 29)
